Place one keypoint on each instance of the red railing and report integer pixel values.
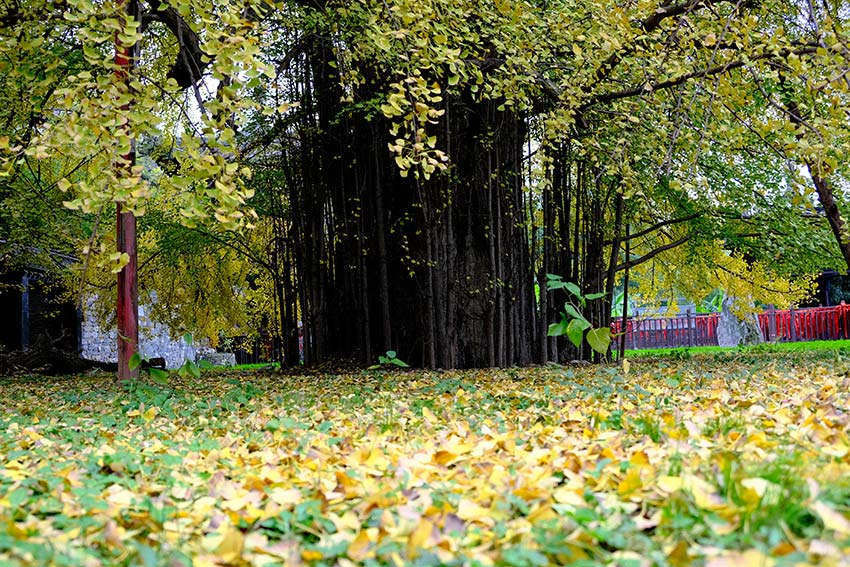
(660, 332)
(808, 324)
(789, 325)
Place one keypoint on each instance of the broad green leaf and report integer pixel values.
(573, 288)
(573, 312)
(557, 329)
(575, 331)
(599, 339)
(159, 375)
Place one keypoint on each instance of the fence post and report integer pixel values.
(771, 323)
(690, 330)
(792, 327)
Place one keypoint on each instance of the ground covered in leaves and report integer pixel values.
(703, 461)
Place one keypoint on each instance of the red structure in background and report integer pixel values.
(789, 325)
(809, 324)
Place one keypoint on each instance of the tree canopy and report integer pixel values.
(403, 175)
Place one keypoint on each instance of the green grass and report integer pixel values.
(810, 346)
(257, 366)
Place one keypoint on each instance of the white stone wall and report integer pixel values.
(154, 340)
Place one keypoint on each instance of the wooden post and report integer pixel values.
(792, 328)
(771, 323)
(127, 305)
(690, 331)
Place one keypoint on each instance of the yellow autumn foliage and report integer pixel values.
(695, 272)
(535, 466)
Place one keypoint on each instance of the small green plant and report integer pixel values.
(189, 368)
(573, 323)
(390, 359)
(157, 374)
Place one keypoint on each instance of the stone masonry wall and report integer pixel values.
(154, 340)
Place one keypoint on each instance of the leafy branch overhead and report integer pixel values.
(98, 113)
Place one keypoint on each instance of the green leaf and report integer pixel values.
(573, 288)
(592, 296)
(557, 329)
(158, 375)
(91, 53)
(599, 339)
(135, 361)
(573, 312)
(575, 331)
(187, 338)
(194, 371)
(188, 369)
(523, 557)
(391, 354)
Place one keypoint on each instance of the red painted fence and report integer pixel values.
(664, 332)
(808, 324)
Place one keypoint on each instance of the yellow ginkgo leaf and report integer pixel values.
(473, 512)
(419, 537)
(669, 483)
(358, 550)
(630, 483)
(752, 490)
(230, 548)
(704, 494)
(150, 413)
(749, 558)
(311, 555)
(286, 497)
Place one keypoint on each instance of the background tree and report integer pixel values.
(96, 106)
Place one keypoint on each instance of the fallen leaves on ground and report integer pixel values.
(676, 463)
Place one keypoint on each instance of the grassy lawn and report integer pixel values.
(825, 347)
(679, 462)
(257, 366)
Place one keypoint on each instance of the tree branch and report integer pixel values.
(657, 226)
(650, 255)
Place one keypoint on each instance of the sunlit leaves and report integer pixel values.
(96, 112)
